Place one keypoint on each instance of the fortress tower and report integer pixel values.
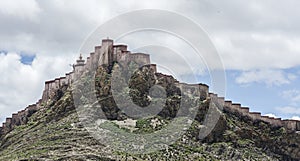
(79, 66)
(106, 52)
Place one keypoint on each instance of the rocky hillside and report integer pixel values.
(57, 132)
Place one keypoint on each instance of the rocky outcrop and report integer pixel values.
(293, 125)
(19, 118)
(105, 54)
(237, 127)
(108, 53)
(54, 132)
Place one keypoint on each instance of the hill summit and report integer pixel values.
(116, 106)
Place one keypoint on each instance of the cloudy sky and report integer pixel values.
(258, 42)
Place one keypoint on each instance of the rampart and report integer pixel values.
(236, 108)
(107, 54)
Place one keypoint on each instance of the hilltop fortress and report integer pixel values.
(107, 54)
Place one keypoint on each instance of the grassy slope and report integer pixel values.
(55, 133)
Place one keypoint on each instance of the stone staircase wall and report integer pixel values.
(293, 125)
(119, 51)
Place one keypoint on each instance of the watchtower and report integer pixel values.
(79, 66)
(106, 52)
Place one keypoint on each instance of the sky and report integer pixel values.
(257, 41)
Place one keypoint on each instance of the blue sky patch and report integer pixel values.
(27, 58)
(260, 97)
(3, 52)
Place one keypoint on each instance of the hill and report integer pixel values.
(73, 122)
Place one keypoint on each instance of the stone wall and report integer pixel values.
(293, 125)
(106, 54)
(19, 118)
(140, 58)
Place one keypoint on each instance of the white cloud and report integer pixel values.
(295, 118)
(260, 38)
(54, 33)
(247, 35)
(288, 110)
(28, 9)
(271, 115)
(21, 84)
(248, 50)
(269, 77)
(292, 95)
(293, 98)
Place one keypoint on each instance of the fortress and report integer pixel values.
(107, 54)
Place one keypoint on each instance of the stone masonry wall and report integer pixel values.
(107, 53)
(293, 125)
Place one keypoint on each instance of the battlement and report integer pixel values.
(120, 47)
(106, 54)
(236, 108)
(152, 67)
